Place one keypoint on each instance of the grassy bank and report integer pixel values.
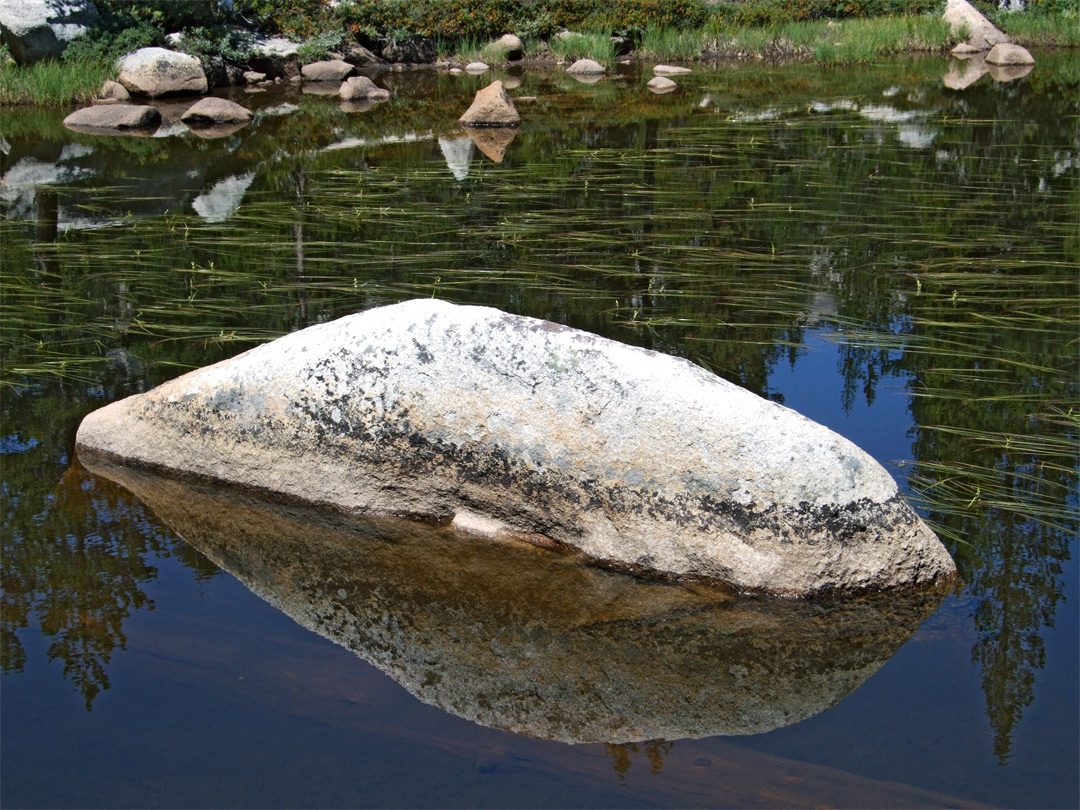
(52, 83)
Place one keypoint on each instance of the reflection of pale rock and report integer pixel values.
(492, 141)
(361, 88)
(19, 182)
(491, 107)
(965, 72)
(361, 106)
(117, 117)
(212, 111)
(458, 153)
(630, 456)
(588, 78)
(320, 88)
(982, 34)
(661, 84)
(886, 113)
(586, 67)
(214, 131)
(221, 201)
(914, 136)
(669, 70)
(1006, 53)
(159, 72)
(527, 640)
(1008, 73)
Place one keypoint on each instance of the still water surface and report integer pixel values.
(888, 255)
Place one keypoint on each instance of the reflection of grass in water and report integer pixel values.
(701, 242)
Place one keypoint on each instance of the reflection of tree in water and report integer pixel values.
(655, 751)
(77, 564)
(995, 465)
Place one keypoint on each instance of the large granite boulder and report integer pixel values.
(329, 70)
(113, 117)
(520, 428)
(981, 33)
(276, 57)
(509, 46)
(586, 67)
(1005, 53)
(212, 110)
(41, 29)
(361, 88)
(409, 50)
(156, 72)
(491, 107)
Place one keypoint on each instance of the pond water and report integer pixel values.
(889, 251)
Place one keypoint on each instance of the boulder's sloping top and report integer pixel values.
(160, 72)
(510, 424)
(491, 107)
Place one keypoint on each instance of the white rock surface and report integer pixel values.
(158, 72)
(981, 33)
(634, 457)
(670, 70)
(41, 29)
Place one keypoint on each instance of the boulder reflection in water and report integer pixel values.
(532, 641)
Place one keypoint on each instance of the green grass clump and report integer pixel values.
(54, 83)
(1059, 29)
(596, 45)
(672, 43)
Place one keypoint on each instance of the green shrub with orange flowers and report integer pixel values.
(462, 20)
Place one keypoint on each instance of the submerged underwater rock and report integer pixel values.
(519, 427)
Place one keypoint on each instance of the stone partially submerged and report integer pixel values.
(520, 428)
(491, 107)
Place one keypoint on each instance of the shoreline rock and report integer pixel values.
(157, 72)
(515, 427)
